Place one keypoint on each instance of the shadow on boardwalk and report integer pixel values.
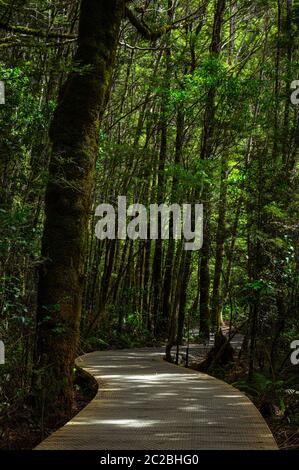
(146, 403)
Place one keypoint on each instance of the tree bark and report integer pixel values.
(220, 239)
(206, 151)
(74, 135)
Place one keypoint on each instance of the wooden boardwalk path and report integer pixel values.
(146, 403)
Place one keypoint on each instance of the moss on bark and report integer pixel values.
(74, 134)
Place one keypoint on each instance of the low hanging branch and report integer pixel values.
(137, 48)
(36, 32)
(13, 42)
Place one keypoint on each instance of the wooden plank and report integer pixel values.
(146, 403)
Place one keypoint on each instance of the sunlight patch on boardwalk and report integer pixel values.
(146, 403)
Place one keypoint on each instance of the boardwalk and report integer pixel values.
(146, 403)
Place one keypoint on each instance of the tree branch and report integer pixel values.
(36, 32)
(143, 29)
(124, 44)
(147, 33)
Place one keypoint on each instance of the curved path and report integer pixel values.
(146, 403)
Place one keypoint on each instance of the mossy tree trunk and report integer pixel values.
(74, 134)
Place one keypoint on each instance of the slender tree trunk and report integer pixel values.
(175, 302)
(206, 151)
(220, 239)
(231, 249)
(183, 296)
(160, 322)
(169, 259)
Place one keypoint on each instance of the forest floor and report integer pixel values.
(20, 429)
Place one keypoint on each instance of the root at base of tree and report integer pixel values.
(221, 354)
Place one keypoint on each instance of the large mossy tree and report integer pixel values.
(74, 133)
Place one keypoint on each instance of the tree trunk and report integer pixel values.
(74, 134)
(169, 259)
(206, 151)
(220, 239)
